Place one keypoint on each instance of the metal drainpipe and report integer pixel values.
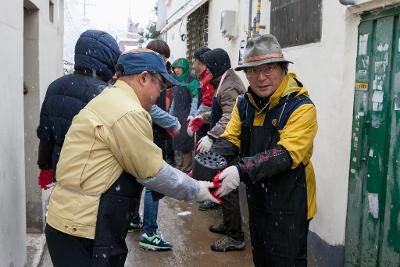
(250, 15)
(348, 2)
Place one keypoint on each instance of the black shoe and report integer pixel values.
(137, 226)
(218, 229)
(209, 205)
(227, 243)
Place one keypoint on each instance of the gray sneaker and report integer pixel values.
(227, 243)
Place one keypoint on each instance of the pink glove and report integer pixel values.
(45, 178)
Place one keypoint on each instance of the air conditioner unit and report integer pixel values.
(228, 24)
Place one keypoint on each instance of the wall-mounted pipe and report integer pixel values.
(348, 2)
(250, 15)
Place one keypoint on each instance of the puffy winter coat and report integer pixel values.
(96, 53)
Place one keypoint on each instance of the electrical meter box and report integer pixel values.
(228, 23)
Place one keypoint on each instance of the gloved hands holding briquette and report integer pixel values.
(230, 181)
(205, 194)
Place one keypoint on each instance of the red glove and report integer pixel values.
(173, 133)
(45, 178)
(217, 184)
(196, 123)
(190, 173)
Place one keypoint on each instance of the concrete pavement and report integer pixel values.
(187, 229)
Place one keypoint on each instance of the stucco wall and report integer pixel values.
(42, 65)
(327, 69)
(13, 195)
(12, 182)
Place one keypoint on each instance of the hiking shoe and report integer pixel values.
(227, 243)
(137, 226)
(218, 229)
(154, 243)
(208, 205)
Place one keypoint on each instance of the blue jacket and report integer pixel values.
(96, 53)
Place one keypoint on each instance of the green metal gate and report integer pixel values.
(373, 219)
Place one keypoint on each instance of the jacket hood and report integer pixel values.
(217, 61)
(97, 52)
(182, 63)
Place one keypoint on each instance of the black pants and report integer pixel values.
(67, 250)
(232, 218)
(280, 248)
(168, 152)
(202, 132)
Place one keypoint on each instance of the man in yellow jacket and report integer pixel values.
(107, 156)
(273, 126)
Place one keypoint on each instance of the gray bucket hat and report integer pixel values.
(262, 50)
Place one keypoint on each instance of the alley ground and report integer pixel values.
(187, 229)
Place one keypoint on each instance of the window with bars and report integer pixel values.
(296, 22)
(197, 32)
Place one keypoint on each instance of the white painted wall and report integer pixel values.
(12, 178)
(40, 68)
(12, 163)
(177, 46)
(327, 69)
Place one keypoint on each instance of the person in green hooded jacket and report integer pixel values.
(184, 107)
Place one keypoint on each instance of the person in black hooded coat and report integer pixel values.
(96, 53)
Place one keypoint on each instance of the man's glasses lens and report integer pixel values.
(265, 70)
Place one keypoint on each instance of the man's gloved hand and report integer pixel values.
(216, 184)
(45, 178)
(230, 181)
(196, 123)
(204, 193)
(204, 145)
(174, 131)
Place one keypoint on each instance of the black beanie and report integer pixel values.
(217, 61)
(199, 51)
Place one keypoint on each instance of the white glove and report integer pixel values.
(204, 192)
(230, 181)
(204, 145)
(189, 129)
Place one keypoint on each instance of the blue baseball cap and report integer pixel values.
(139, 60)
